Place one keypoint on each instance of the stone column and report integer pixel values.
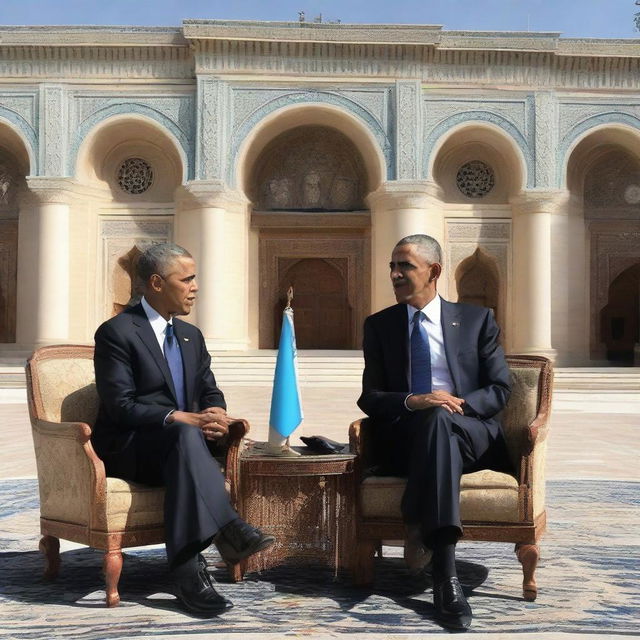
(399, 209)
(212, 223)
(532, 282)
(43, 262)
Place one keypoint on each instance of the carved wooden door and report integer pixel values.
(8, 274)
(321, 308)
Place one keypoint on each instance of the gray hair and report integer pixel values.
(429, 248)
(157, 259)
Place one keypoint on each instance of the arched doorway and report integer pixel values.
(12, 182)
(604, 175)
(620, 318)
(307, 187)
(134, 167)
(321, 305)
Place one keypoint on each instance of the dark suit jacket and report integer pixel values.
(134, 382)
(475, 357)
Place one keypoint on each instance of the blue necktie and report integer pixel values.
(420, 356)
(174, 360)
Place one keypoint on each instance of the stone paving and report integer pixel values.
(590, 440)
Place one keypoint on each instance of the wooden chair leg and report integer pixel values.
(363, 565)
(237, 571)
(112, 568)
(50, 546)
(528, 555)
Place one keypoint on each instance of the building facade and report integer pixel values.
(295, 153)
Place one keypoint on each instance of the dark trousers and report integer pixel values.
(433, 448)
(196, 504)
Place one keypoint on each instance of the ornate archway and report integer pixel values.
(308, 186)
(12, 181)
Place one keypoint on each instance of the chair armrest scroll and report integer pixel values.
(67, 466)
(237, 431)
(356, 436)
(79, 431)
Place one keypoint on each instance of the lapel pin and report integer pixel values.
(186, 339)
(455, 324)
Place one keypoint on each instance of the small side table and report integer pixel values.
(307, 502)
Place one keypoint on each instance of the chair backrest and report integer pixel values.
(531, 381)
(61, 384)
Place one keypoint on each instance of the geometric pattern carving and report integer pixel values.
(309, 169)
(135, 176)
(475, 179)
(613, 182)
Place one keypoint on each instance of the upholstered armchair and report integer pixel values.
(496, 507)
(78, 502)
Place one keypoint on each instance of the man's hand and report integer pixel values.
(436, 399)
(213, 422)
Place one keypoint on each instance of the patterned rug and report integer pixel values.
(588, 577)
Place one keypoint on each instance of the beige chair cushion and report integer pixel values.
(484, 495)
(131, 505)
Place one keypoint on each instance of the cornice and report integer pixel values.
(539, 201)
(91, 36)
(57, 190)
(291, 49)
(404, 194)
(310, 32)
(209, 194)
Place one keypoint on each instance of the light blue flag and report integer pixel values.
(286, 412)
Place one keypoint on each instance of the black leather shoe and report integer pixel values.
(452, 608)
(197, 594)
(239, 540)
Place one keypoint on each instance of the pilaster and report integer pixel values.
(532, 282)
(212, 112)
(43, 262)
(398, 209)
(408, 129)
(212, 222)
(52, 122)
(546, 139)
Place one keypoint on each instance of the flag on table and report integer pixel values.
(286, 412)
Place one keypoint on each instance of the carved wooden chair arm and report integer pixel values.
(237, 432)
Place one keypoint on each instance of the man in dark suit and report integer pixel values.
(161, 416)
(435, 379)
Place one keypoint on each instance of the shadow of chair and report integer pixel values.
(78, 502)
(496, 507)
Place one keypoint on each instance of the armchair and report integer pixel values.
(496, 507)
(78, 502)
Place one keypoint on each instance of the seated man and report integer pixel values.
(161, 414)
(435, 377)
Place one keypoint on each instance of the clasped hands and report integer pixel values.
(213, 421)
(443, 399)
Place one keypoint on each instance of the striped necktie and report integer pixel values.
(420, 356)
(174, 360)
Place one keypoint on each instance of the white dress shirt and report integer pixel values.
(432, 323)
(159, 326)
(157, 322)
